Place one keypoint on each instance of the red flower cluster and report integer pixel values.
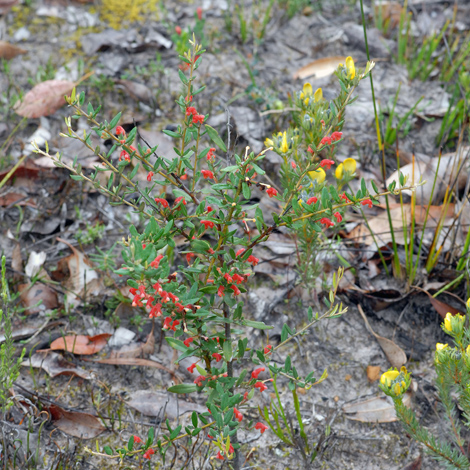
(149, 176)
(262, 427)
(343, 196)
(192, 367)
(336, 136)
(170, 324)
(217, 357)
(137, 440)
(156, 262)
(261, 386)
(238, 415)
(210, 154)
(179, 200)
(256, 372)
(312, 199)
(124, 155)
(120, 130)
(338, 217)
(188, 341)
(148, 453)
(251, 259)
(327, 163)
(198, 381)
(236, 290)
(178, 30)
(327, 222)
(271, 192)
(163, 202)
(207, 174)
(268, 349)
(207, 224)
(197, 118)
(367, 202)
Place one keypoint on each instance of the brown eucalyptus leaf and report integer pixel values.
(55, 364)
(81, 344)
(395, 355)
(320, 68)
(373, 373)
(374, 410)
(74, 423)
(44, 99)
(32, 293)
(151, 403)
(9, 51)
(442, 308)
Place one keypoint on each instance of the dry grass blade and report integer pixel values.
(320, 68)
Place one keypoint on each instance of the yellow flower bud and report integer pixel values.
(268, 143)
(350, 67)
(388, 377)
(300, 202)
(318, 175)
(339, 171)
(447, 322)
(440, 346)
(318, 95)
(307, 90)
(468, 349)
(284, 147)
(468, 303)
(397, 389)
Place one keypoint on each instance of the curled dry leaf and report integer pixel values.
(395, 355)
(44, 99)
(74, 423)
(81, 344)
(374, 410)
(9, 51)
(83, 278)
(320, 68)
(55, 364)
(16, 199)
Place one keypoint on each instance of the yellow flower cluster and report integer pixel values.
(348, 167)
(307, 93)
(396, 382)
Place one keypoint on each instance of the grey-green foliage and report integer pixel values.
(9, 367)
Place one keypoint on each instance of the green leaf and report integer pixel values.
(194, 419)
(130, 444)
(182, 77)
(257, 324)
(108, 450)
(214, 136)
(176, 344)
(228, 351)
(183, 388)
(172, 134)
(115, 120)
(246, 191)
(230, 169)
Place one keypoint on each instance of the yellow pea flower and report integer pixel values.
(268, 143)
(468, 349)
(447, 322)
(350, 67)
(284, 148)
(307, 90)
(440, 346)
(468, 303)
(318, 175)
(318, 95)
(349, 165)
(388, 377)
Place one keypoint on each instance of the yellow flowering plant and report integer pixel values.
(452, 364)
(313, 178)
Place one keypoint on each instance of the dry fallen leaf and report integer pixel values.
(55, 364)
(44, 99)
(374, 410)
(395, 355)
(320, 68)
(80, 344)
(151, 403)
(373, 373)
(9, 51)
(82, 277)
(449, 169)
(135, 349)
(74, 423)
(381, 228)
(31, 294)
